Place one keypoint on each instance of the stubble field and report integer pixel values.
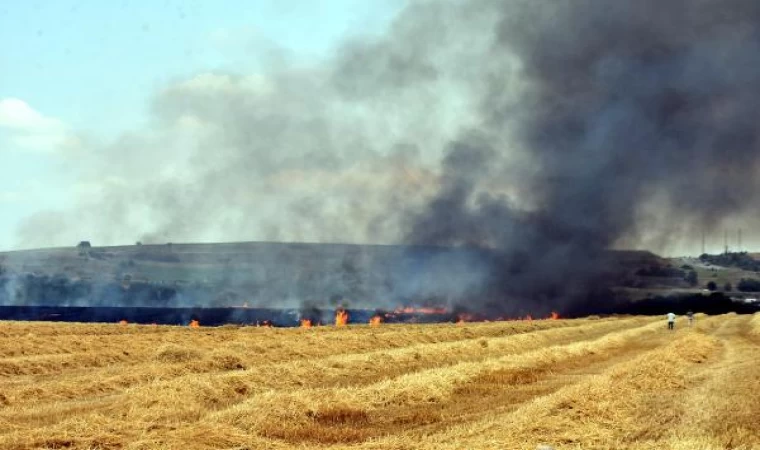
(622, 383)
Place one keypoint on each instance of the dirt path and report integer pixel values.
(679, 392)
(722, 412)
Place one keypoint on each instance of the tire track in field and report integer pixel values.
(722, 411)
(225, 389)
(78, 354)
(470, 420)
(64, 394)
(324, 368)
(414, 400)
(631, 403)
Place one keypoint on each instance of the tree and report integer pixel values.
(692, 279)
(711, 286)
(748, 285)
(728, 287)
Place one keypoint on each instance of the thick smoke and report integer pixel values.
(624, 108)
(547, 131)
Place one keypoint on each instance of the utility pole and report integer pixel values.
(703, 242)
(739, 239)
(725, 242)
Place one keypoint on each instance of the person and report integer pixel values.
(690, 315)
(671, 321)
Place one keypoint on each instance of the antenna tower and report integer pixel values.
(739, 241)
(703, 242)
(725, 242)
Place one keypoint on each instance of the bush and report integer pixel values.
(742, 260)
(728, 287)
(660, 271)
(691, 278)
(711, 286)
(748, 285)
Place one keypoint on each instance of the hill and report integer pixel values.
(262, 274)
(725, 270)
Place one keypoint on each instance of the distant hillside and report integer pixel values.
(259, 274)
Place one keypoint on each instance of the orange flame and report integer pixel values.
(195, 324)
(375, 321)
(123, 322)
(305, 323)
(554, 315)
(465, 317)
(341, 317)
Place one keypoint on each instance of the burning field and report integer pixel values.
(622, 382)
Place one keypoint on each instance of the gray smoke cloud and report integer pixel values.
(548, 131)
(626, 109)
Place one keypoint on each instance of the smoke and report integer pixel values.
(548, 132)
(625, 110)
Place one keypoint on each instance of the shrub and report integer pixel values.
(748, 285)
(692, 278)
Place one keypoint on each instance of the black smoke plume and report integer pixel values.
(625, 109)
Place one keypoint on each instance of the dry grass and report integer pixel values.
(594, 383)
(755, 325)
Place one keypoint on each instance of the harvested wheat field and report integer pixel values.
(622, 383)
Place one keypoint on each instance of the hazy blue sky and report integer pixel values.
(89, 67)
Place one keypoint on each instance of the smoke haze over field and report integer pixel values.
(549, 131)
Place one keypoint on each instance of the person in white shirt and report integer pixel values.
(671, 321)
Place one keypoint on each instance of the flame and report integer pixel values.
(195, 324)
(341, 317)
(464, 317)
(554, 315)
(305, 323)
(375, 321)
(123, 322)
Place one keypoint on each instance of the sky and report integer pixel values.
(78, 69)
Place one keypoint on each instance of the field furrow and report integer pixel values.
(605, 383)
